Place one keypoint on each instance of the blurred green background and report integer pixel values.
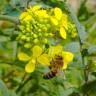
(13, 79)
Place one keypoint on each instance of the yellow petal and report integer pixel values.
(37, 50)
(58, 13)
(33, 9)
(54, 20)
(42, 13)
(65, 64)
(43, 59)
(64, 22)
(23, 15)
(23, 56)
(63, 33)
(53, 50)
(28, 17)
(68, 56)
(30, 67)
(36, 7)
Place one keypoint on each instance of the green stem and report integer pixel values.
(81, 41)
(9, 18)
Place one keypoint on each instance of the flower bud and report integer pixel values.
(35, 41)
(45, 41)
(27, 45)
(35, 35)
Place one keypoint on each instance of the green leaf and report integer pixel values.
(91, 66)
(94, 73)
(3, 88)
(89, 88)
(92, 50)
(12, 93)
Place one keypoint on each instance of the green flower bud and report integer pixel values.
(32, 33)
(35, 41)
(44, 28)
(28, 39)
(23, 37)
(21, 27)
(48, 26)
(39, 30)
(45, 20)
(41, 20)
(35, 35)
(24, 31)
(51, 35)
(27, 34)
(33, 21)
(40, 34)
(46, 34)
(27, 45)
(28, 29)
(45, 41)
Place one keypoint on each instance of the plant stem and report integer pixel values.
(81, 41)
(9, 18)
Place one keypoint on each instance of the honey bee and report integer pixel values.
(56, 65)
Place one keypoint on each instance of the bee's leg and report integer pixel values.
(64, 76)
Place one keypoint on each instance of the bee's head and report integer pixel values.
(58, 57)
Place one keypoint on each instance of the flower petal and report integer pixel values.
(30, 67)
(37, 50)
(58, 13)
(35, 8)
(43, 59)
(28, 17)
(54, 20)
(53, 50)
(63, 33)
(23, 15)
(65, 64)
(68, 56)
(42, 13)
(23, 56)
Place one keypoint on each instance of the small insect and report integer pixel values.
(56, 65)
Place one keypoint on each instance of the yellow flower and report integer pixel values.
(25, 16)
(58, 13)
(33, 9)
(58, 50)
(36, 57)
(63, 33)
(54, 20)
(28, 17)
(42, 13)
(64, 23)
(74, 34)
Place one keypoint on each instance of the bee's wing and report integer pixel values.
(62, 73)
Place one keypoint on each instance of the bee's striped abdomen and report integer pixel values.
(49, 75)
(56, 64)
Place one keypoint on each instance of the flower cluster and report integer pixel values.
(41, 57)
(38, 25)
